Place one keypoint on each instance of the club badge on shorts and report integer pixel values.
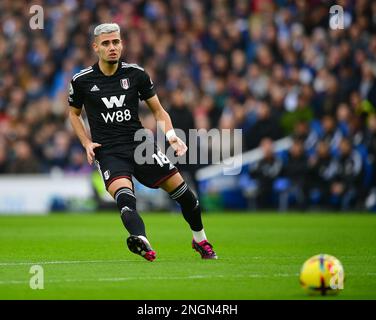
(125, 84)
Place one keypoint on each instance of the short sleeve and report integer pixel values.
(145, 86)
(75, 98)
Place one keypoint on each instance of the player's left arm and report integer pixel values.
(162, 117)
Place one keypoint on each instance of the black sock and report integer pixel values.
(190, 206)
(126, 202)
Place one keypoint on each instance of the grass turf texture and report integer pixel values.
(260, 255)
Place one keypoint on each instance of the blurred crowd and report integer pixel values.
(271, 68)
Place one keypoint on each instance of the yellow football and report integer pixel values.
(322, 274)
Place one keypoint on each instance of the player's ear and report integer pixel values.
(95, 46)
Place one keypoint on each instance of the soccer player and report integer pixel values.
(110, 90)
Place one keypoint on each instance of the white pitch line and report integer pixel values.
(22, 263)
(124, 279)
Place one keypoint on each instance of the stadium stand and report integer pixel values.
(273, 68)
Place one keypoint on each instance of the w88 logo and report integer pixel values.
(118, 116)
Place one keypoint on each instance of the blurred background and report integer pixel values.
(303, 94)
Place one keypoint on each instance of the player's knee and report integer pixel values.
(125, 200)
(118, 183)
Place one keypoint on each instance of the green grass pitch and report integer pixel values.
(260, 255)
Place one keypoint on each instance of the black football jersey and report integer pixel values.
(111, 102)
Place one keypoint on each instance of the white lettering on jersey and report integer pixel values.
(119, 116)
(108, 116)
(114, 101)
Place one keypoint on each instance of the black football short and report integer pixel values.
(113, 166)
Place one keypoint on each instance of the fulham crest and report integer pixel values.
(125, 84)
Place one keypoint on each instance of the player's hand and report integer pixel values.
(90, 151)
(178, 145)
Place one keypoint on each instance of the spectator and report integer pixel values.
(265, 127)
(347, 185)
(370, 143)
(264, 172)
(330, 133)
(298, 109)
(295, 170)
(322, 171)
(367, 86)
(303, 132)
(3, 158)
(23, 160)
(181, 116)
(77, 163)
(182, 119)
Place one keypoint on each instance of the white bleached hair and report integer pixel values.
(106, 28)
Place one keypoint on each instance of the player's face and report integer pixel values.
(108, 46)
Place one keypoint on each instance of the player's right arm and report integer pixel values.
(76, 102)
(79, 129)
